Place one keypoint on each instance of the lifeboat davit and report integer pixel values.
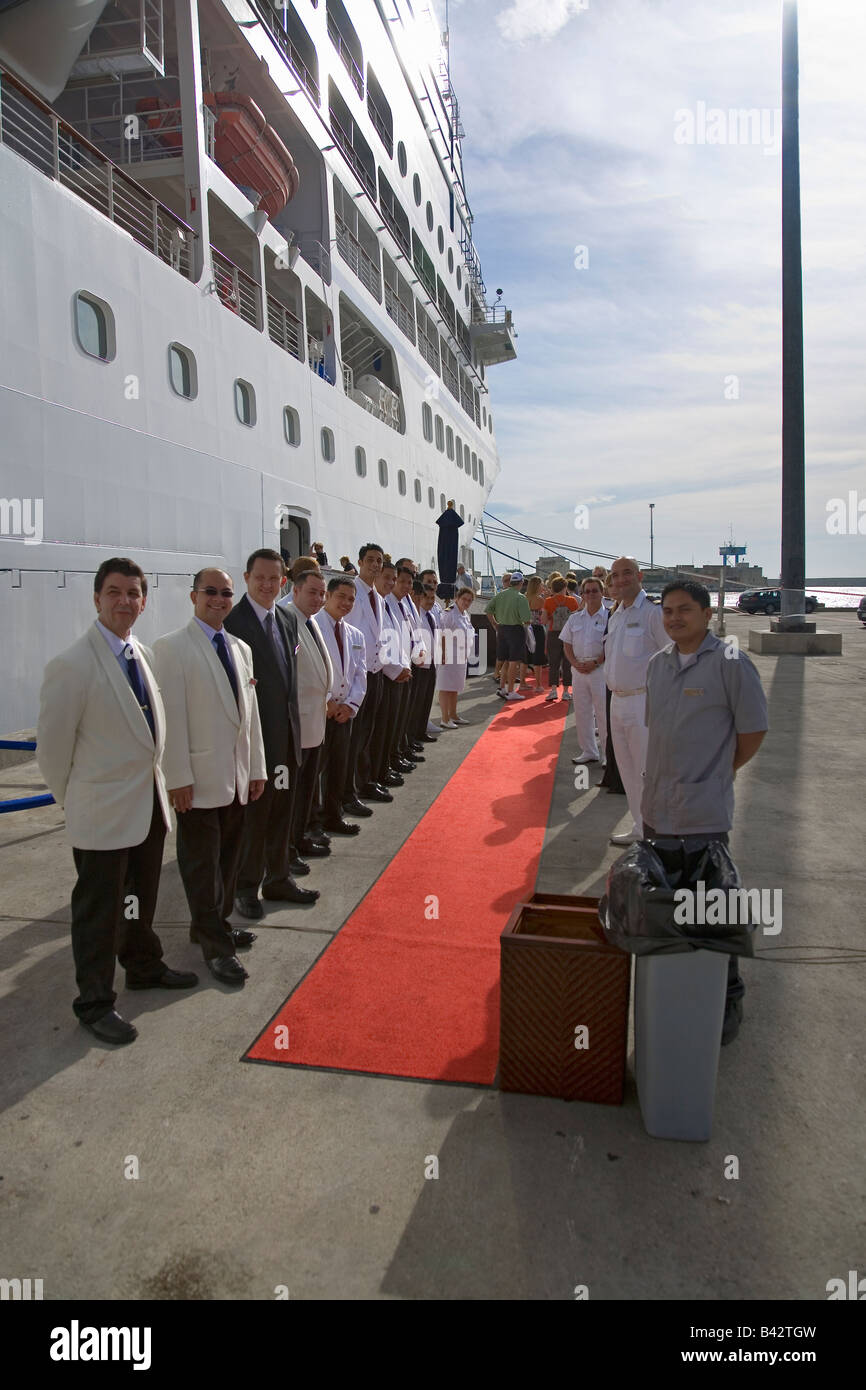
(251, 152)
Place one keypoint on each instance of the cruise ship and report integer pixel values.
(242, 301)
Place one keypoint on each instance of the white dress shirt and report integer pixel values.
(370, 626)
(349, 684)
(634, 634)
(584, 633)
(396, 640)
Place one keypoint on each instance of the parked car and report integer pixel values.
(861, 610)
(768, 601)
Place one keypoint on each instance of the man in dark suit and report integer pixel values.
(272, 635)
(100, 744)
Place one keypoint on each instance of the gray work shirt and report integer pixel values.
(694, 714)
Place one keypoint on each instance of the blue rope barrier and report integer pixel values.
(24, 803)
(16, 743)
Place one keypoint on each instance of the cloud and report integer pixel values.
(527, 19)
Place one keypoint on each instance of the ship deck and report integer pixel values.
(257, 1176)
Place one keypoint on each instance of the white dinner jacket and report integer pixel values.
(94, 746)
(211, 744)
(349, 681)
(315, 675)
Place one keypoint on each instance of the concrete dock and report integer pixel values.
(252, 1177)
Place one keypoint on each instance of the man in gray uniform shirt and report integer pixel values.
(707, 716)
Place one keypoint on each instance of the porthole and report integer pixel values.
(245, 402)
(462, 515)
(383, 473)
(460, 280)
(450, 261)
(440, 434)
(449, 441)
(94, 327)
(360, 462)
(490, 423)
(291, 426)
(427, 422)
(442, 501)
(329, 452)
(481, 472)
(474, 466)
(459, 443)
(416, 190)
(182, 372)
(401, 482)
(429, 216)
(402, 164)
(467, 295)
(431, 497)
(484, 414)
(417, 489)
(440, 241)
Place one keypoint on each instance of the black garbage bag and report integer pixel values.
(663, 896)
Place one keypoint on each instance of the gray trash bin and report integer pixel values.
(681, 976)
(679, 1005)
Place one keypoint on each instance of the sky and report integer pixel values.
(635, 229)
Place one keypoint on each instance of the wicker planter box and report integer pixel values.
(558, 973)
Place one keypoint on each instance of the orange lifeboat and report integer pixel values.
(251, 152)
(163, 120)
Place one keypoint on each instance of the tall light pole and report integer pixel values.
(652, 508)
(793, 572)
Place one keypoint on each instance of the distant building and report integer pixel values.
(546, 564)
(750, 575)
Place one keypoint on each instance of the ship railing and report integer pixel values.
(271, 20)
(348, 149)
(451, 381)
(236, 289)
(378, 120)
(493, 313)
(284, 328)
(394, 227)
(317, 256)
(402, 316)
(467, 401)
(316, 358)
(141, 137)
(429, 349)
(357, 258)
(30, 128)
(473, 264)
(346, 55)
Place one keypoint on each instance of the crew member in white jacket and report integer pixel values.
(214, 763)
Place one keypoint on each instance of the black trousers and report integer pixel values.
(333, 772)
(401, 746)
(265, 854)
(208, 854)
(113, 906)
(360, 747)
(385, 730)
(305, 791)
(558, 664)
(736, 987)
(426, 677)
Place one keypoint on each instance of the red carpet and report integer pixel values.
(398, 992)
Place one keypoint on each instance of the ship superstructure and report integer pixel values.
(242, 300)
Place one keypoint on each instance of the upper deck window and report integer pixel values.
(94, 327)
(380, 111)
(341, 32)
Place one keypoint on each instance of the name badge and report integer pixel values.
(694, 690)
(632, 624)
(357, 646)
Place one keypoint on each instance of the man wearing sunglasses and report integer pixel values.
(214, 763)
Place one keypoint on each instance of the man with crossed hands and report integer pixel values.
(347, 650)
(214, 763)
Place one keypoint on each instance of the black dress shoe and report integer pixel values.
(354, 807)
(298, 867)
(287, 892)
(428, 738)
(242, 937)
(373, 792)
(169, 979)
(394, 779)
(111, 1028)
(416, 745)
(248, 905)
(228, 969)
(416, 757)
(315, 849)
(342, 827)
(403, 765)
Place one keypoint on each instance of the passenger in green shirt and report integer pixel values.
(509, 611)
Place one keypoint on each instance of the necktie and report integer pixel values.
(219, 642)
(338, 635)
(277, 644)
(373, 605)
(430, 621)
(133, 675)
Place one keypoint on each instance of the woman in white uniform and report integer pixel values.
(583, 644)
(457, 643)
